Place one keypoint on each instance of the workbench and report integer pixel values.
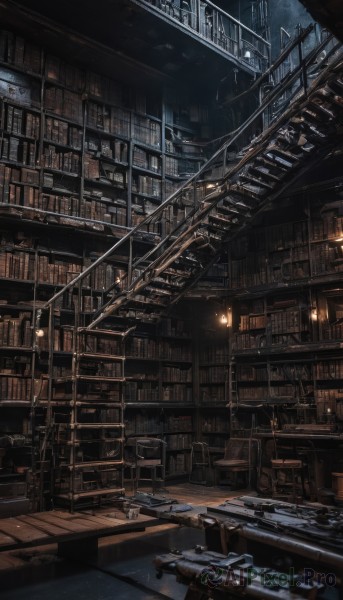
(76, 534)
(265, 534)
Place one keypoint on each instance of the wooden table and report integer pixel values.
(75, 534)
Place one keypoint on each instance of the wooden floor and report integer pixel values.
(24, 535)
(199, 495)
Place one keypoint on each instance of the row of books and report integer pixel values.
(62, 342)
(292, 236)
(62, 160)
(214, 354)
(58, 272)
(264, 393)
(16, 50)
(15, 389)
(63, 205)
(16, 175)
(247, 322)
(109, 119)
(142, 348)
(67, 75)
(100, 345)
(174, 374)
(20, 121)
(63, 102)
(174, 328)
(146, 131)
(175, 351)
(329, 370)
(147, 423)
(101, 369)
(143, 393)
(109, 148)
(178, 423)
(287, 321)
(294, 372)
(63, 133)
(17, 265)
(256, 270)
(249, 341)
(21, 265)
(145, 160)
(18, 150)
(178, 392)
(171, 166)
(101, 278)
(214, 374)
(334, 331)
(95, 210)
(16, 332)
(143, 184)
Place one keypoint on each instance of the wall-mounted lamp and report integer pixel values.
(225, 318)
(39, 332)
(314, 314)
(247, 54)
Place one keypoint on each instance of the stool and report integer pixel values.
(287, 478)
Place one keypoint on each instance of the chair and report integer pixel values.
(150, 461)
(287, 479)
(240, 457)
(200, 463)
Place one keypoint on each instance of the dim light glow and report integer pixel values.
(314, 314)
(39, 332)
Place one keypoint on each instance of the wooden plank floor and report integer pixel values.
(57, 526)
(196, 495)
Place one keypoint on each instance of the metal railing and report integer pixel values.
(182, 213)
(217, 28)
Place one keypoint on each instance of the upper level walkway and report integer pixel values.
(214, 28)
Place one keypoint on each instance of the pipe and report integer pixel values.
(283, 542)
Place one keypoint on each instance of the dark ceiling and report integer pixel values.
(328, 13)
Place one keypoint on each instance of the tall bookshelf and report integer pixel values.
(286, 302)
(159, 389)
(82, 158)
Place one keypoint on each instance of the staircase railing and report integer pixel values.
(177, 213)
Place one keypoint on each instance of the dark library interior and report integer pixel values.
(171, 307)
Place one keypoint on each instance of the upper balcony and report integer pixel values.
(191, 41)
(216, 29)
